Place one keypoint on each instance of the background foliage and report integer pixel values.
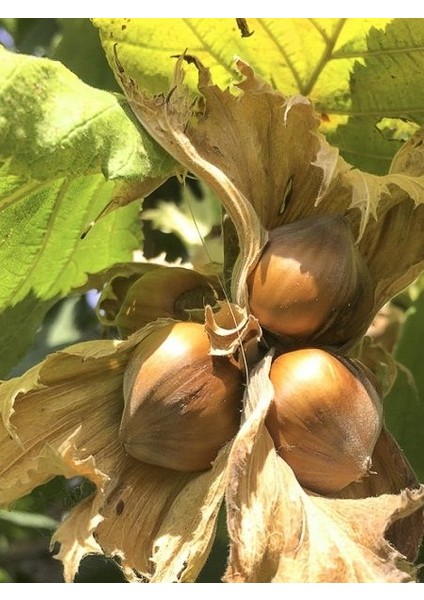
(69, 147)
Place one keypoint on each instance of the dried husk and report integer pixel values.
(231, 327)
(156, 292)
(270, 165)
(168, 120)
(159, 523)
(281, 533)
(391, 473)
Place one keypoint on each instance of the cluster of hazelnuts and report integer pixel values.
(309, 290)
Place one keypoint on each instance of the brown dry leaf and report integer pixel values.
(282, 533)
(392, 205)
(62, 418)
(399, 211)
(391, 473)
(154, 291)
(167, 120)
(160, 523)
(260, 150)
(229, 327)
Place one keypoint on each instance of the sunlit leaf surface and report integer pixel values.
(356, 71)
(67, 150)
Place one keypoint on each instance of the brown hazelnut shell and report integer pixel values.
(181, 404)
(325, 419)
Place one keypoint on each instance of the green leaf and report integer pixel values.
(67, 151)
(79, 49)
(52, 125)
(42, 255)
(388, 85)
(404, 407)
(5, 577)
(313, 57)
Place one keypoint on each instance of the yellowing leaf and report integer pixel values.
(312, 57)
(358, 72)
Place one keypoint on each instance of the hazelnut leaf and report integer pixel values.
(384, 97)
(313, 57)
(68, 151)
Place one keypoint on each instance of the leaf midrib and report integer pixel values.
(306, 86)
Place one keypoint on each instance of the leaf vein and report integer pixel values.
(206, 46)
(286, 57)
(340, 54)
(52, 218)
(325, 58)
(67, 136)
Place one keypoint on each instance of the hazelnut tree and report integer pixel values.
(271, 375)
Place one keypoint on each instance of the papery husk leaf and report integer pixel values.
(76, 536)
(167, 119)
(282, 533)
(390, 474)
(158, 523)
(153, 292)
(169, 541)
(266, 144)
(46, 408)
(194, 511)
(389, 206)
(229, 327)
(62, 418)
(395, 198)
(269, 159)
